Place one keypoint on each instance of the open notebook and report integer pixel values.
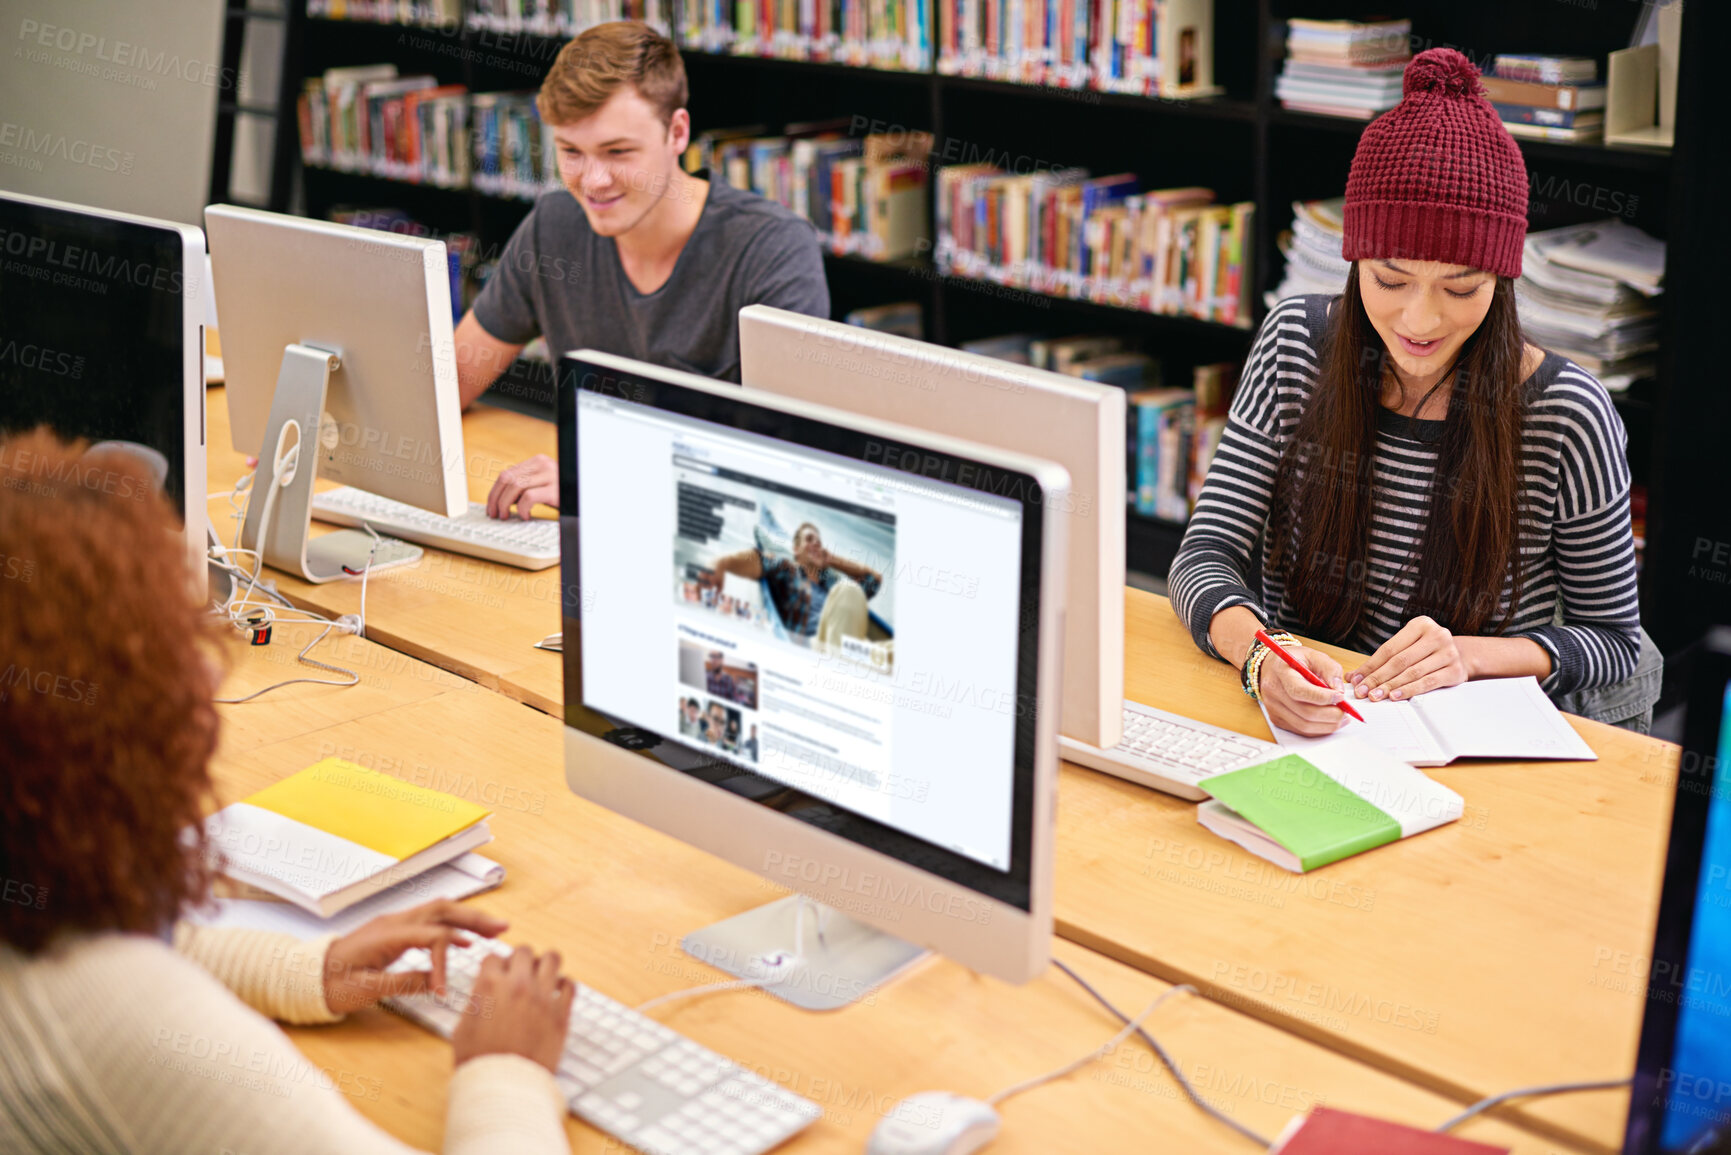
(1506, 718)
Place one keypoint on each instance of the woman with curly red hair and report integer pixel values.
(123, 1029)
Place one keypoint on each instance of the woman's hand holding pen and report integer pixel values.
(1296, 705)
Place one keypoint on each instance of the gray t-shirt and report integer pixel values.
(558, 279)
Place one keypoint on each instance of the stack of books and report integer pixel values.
(1313, 248)
(866, 195)
(1344, 67)
(563, 18)
(411, 128)
(1142, 47)
(1065, 233)
(1586, 292)
(1548, 97)
(887, 34)
(337, 834)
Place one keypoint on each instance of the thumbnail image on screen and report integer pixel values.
(1697, 1085)
(719, 674)
(804, 568)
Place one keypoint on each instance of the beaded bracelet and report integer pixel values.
(1253, 660)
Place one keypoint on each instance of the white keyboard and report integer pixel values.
(642, 1083)
(524, 544)
(1168, 751)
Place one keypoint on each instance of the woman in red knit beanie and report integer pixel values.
(1412, 477)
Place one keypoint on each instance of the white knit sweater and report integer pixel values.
(119, 1043)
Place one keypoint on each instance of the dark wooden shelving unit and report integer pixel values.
(1243, 145)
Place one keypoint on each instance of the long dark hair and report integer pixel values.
(1319, 539)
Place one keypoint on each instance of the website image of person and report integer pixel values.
(820, 597)
(721, 727)
(690, 719)
(735, 682)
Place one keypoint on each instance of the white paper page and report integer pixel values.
(469, 874)
(1394, 787)
(1501, 718)
(1389, 726)
(281, 855)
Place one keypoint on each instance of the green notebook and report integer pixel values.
(1337, 799)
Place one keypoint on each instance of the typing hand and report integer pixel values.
(1422, 656)
(355, 975)
(524, 485)
(1296, 705)
(524, 1009)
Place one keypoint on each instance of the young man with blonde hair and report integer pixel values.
(634, 255)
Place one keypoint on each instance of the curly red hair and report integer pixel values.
(107, 670)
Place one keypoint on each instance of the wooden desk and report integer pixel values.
(474, 618)
(615, 897)
(1501, 951)
(1495, 953)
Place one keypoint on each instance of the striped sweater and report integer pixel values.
(1578, 600)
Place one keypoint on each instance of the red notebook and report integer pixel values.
(1329, 1132)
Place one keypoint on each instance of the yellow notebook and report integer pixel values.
(336, 832)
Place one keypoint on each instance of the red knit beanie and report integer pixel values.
(1437, 177)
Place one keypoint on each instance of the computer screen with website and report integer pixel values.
(833, 625)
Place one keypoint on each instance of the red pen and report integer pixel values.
(1304, 671)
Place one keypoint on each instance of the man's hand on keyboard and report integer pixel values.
(524, 485)
(520, 1005)
(355, 975)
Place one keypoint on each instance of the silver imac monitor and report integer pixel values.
(337, 341)
(102, 339)
(824, 648)
(1078, 424)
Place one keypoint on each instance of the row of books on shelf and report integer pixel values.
(411, 128)
(539, 17)
(888, 34)
(1174, 251)
(1171, 433)
(865, 195)
(1144, 47)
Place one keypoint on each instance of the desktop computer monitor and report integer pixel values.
(338, 339)
(1682, 1090)
(818, 646)
(1078, 424)
(102, 339)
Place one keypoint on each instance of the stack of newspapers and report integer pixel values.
(1312, 249)
(1587, 292)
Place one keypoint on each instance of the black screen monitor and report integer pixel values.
(102, 338)
(1682, 1091)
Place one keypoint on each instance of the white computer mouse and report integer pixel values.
(935, 1123)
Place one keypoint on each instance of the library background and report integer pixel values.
(1117, 189)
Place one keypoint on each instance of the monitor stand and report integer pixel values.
(301, 386)
(846, 964)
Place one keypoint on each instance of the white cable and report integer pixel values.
(1154, 1044)
(1097, 1053)
(1523, 1092)
(248, 615)
(789, 964)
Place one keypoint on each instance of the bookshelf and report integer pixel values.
(1242, 144)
